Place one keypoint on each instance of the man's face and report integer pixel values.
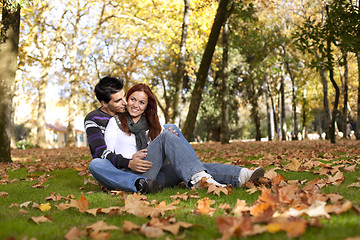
(117, 103)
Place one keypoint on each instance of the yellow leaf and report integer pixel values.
(45, 207)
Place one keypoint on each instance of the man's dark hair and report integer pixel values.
(107, 86)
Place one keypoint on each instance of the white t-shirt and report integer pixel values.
(118, 141)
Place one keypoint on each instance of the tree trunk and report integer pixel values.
(202, 73)
(224, 126)
(274, 112)
(283, 114)
(181, 64)
(295, 122)
(346, 87)
(9, 42)
(327, 114)
(268, 110)
(41, 120)
(358, 100)
(305, 109)
(255, 117)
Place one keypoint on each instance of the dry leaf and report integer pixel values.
(294, 165)
(41, 219)
(129, 226)
(73, 233)
(44, 207)
(101, 226)
(292, 228)
(240, 207)
(4, 194)
(217, 190)
(204, 208)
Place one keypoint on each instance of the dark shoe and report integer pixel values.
(148, 186)
(258, 173)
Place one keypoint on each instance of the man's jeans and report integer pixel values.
(174, 160)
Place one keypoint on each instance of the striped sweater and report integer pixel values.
(95, 124)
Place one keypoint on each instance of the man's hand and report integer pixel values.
(138, 164)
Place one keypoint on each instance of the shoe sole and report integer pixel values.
(257, 174)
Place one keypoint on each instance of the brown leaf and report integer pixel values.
(73, 233)
(234, 227)
(204, 208)
(4, 194)
(240, 207)
(151, 232)
(136, 206)
(294, 228)
(129, 226)
(339, 208)
(41, 219)
(294, 165)
(82, 203)
(101, 226)
(217, 190)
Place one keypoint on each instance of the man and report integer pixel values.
(106, 166)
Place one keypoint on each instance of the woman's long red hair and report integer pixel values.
(150, 111)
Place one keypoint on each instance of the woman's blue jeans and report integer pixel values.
(174, 160)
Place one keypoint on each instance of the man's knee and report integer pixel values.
(96, 164)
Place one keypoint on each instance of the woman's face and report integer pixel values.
(137, 104)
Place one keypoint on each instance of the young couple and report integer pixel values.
(133, 152)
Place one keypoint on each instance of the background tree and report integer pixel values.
(202, 74)
(9, 41)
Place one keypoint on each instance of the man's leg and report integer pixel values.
(113, 178)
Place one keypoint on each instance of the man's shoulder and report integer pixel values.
(98, 117)
(97, 114)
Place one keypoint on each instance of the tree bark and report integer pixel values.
(331, 76)
(9, 42)
(346, 89)
(224, 126)
(283, 114)
(295, 122)
(181, 64)
(358, 100)
(268, 110)
(202, 74)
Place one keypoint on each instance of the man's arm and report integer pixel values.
(98, 148)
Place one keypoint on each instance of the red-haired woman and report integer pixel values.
(164, 155)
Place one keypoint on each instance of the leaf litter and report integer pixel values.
(283, 205)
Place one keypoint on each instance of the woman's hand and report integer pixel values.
(138, 164)
(171, 129)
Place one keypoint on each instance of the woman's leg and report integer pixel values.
(111, 177)
(169, 146)
(224, 173)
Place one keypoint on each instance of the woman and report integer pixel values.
(164, 155)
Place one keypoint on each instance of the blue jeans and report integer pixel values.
(174, 160)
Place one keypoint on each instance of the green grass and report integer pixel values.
(67, 182)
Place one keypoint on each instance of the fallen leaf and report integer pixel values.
(4, 194)
(41, 219)
(73, 233)
(44, 207)
(293, 228)
(204, 208)
(294, 165)
(101, 226)
(129, 226)
(240, 207)
(217, 190)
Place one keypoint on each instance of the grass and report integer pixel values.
(66, 181)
